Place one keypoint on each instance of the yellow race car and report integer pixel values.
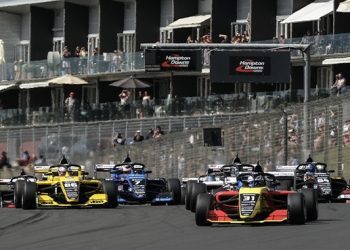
(64, 185)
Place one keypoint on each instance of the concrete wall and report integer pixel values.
(11, 35)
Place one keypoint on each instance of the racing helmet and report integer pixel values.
(311, 168)
(211, 178)
(62, 171)
(250, 181)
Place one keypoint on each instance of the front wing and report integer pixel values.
(45, 200)
(219, 216)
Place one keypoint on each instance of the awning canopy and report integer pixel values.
(189, 22)
(344, 6)
(311, 12)
(32, 85)
(7, 86)
(336, 61)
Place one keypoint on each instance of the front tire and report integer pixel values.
(311, 203)
(296, 209)
(29, 195)
(110, 190)
(204, 205)
(183, 196)
(18, 193)
(174, 186)
(197, 189)
(189, 186)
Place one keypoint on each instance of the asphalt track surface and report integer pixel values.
(163, 227)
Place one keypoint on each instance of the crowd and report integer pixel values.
(235, 39)
(153, 133)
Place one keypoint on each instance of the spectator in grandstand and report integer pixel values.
(4, 160)
(66, 62)
(158, 132)
(282, 39)
(245, 37)
(189, 39)
(138, 136)
(150, 134)
(71, 106)
(24, 159)
(223, 38)
(339, 84)
(40, 161)
(118, 139)
(125, 100)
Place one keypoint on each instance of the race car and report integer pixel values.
(312, 175)
(221, 178)
(135, 187)
(7, 198)
(256, 201)
(63, 185)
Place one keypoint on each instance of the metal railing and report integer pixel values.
(184, 106)
(282, 136)
(43, 69)
(321, 45)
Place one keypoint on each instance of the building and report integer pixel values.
(35, 27)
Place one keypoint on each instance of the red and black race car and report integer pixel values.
(256, 200)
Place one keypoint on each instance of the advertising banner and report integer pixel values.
(173, 60)
(250, 66)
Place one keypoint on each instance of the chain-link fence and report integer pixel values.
(320, 128)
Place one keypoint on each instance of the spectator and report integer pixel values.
(24, 159)
(118, 140)
(138, 136)
(139, 106)
(71, 105)
(66, 62)
(223, 38)
(82, 60)
(41, 161)
(4, 161)
(189, 39)
(146, 102)
(339, 86)
(125, 100)
(150, 134)
(158, 132)
(282, 39)
(245, 37)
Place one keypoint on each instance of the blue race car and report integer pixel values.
(135, 187)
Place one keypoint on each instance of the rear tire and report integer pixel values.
(197, 189)
(174, 186)
(311, 203)
(29, 195)
(189, 186)
(296, 209)
(18, 193)
(183, 195)
(204, 205)
(110, 190)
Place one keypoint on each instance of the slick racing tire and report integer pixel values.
(197, 189)
(110, 190)
(18, 193)
(204, 205)
(183, 195)
(29, 195)
(296, 209)
(189, 186)
(174, 186)
(311, 203)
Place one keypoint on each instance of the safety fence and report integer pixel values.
(286, 136)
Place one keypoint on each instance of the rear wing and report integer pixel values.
(104, 167)
(41, 169)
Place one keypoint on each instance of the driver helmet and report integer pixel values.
(126, 169)
(250, 181)
(311, 168)
(62, 171)
(211, 178)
